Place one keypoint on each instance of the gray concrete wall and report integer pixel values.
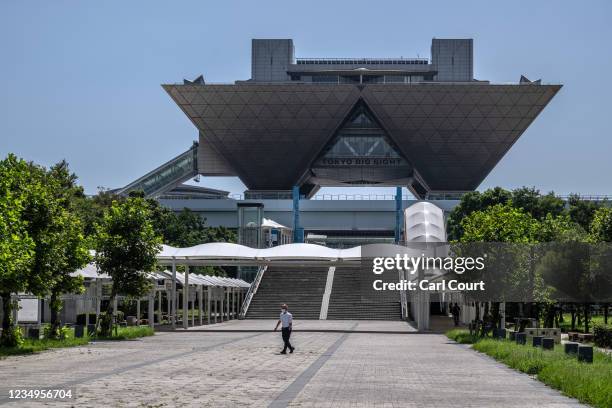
(270, 59)
(453, 58)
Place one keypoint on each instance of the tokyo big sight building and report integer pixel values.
(299, 124)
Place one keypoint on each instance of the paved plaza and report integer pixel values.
(243, 368)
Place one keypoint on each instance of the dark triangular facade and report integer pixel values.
(360, 153)
(273, 136)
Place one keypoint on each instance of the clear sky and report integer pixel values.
(80, 80)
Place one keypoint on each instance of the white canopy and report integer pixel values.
(204, 280)
(90, 271)
(299, 251)
(213, 250)
(267, 222)
(223, 251)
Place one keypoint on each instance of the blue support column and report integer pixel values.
(298, 232)
(398, 214)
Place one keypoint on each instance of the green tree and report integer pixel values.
(187, 228)
(601, 225)
(600, 235)
(558, 228)
(500, 223)
(511, 272)
(538, 205)
(90, 210)
(126, 249)
(499, 228)
(16, 247)
(71, 251)
(530, 200)
(471, 202)
(581, 211)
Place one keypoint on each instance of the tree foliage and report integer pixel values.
(471, 202)
(582, 211)
(187, 228)
(500, 223)
(70, 247)
(16, 246)
(601, 225)
(126, 248)
(529, 200)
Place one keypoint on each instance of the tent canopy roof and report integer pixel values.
(226, 251)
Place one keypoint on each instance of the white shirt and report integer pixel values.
(286, 318)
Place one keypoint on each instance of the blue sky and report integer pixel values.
(80, 80)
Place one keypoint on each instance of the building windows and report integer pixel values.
(333, 79)
(372, 79)
(361, 137)
(349, 79)
(391, 79)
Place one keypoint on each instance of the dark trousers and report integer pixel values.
(286, 333)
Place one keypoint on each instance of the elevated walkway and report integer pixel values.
(167, 176)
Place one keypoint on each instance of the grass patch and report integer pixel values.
(589, 383)
(30, 346)
(462, 336)
(132, 332)
(566, 324)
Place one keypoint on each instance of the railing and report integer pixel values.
(361, 197)
(419, 83)
(252, 291)
(588, 197)
(356, 61)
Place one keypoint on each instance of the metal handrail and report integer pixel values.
(419, 83)
(252, 291)
(360, 197)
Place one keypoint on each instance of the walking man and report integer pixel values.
(286, 320)
(456, 310)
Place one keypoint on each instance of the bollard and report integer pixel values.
(536, 341)
(585, 353)
(79, 330)
(571, 347)
(521, 338)
(548, 343)
(34, 333)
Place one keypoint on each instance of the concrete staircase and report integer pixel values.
(353, 298)
(300, 287)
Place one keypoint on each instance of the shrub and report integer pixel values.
(602, 335)
(12, 337)
(61, 333)
(462, 336)
(589, 383)
(126, 333)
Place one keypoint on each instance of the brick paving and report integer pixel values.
(312, 325)
(229, 369)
